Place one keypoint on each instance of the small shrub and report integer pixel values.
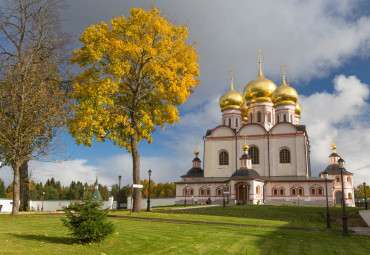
(88, 222)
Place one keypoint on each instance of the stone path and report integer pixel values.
(365, 214)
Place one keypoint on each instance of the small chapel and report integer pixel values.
(260, 154)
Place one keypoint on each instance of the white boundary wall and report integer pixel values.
(52, 205)
(156, 201)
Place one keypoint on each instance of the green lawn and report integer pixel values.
(287, 216)
(43, 234)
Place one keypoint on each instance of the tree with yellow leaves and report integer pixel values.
(135, 72)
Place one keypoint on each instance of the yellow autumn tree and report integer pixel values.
(136, 71)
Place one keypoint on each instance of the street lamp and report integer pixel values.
(344, 216)
(148, 204)
(223, 194)
(43, 198)
(365, 195)
(298, 199)
(186, 191)
(119, 189)
(243, 194)
(327, 202)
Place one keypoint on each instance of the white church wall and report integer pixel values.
(213, 147)
(304, 199)
(278, 143)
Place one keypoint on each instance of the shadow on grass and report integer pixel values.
(46, 239)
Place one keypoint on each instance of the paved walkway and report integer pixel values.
(365, 214)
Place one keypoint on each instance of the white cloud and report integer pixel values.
(344, 115)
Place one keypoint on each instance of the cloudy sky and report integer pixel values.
(325, 44)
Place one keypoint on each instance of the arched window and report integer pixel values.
(258, 190)
(349, 195)
(284, 156)
(253, 152)
(294, 193)
(284, 117)
(320, 191)
(300, 191)
(259, 117)
(229, 122)
(313, 191)
(208, 192)
(291, 118)
(275, 192)
(337, 179)
(348, 180)
(236, 122)
(223, 158)
(278, 119)
(250, 117)
(269, 117)
(201, 192)
(219, 191)
(281, 192)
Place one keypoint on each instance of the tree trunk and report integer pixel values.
(136, 172)
(24, 188)
(16, 190)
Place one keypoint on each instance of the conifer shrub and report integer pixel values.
(88, 222)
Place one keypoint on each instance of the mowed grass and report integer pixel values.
(280, 216)
(44, 234)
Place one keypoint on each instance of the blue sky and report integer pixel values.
(325, 44)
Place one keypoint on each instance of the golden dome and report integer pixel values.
(245, 147)
(231, 99)
(260, 88)
(333, 147)
(284, 94)
(298, 110)
(244, 112)
(196, 152)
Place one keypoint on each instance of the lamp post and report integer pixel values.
(365, 195)
(119, 189)
(223, 195)
(298, 199)
(43, 198)
(344, 216)
(327, 202)
(148, 202)
(243, 194)
(186, 191)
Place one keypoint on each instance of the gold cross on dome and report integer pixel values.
(196, 145)
(332, 138)
(288, 81)
(231, 71)
(259, 53)
(240, 85)
(283, 66)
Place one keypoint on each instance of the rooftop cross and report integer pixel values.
(259, 53)
(283, 66)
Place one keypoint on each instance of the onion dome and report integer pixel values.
(298, 110)
(284, 94)
(244, 112)
(260, 88)
(231, 99)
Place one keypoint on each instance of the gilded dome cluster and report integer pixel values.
(260, 89)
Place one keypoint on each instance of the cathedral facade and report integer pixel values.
(260, 154)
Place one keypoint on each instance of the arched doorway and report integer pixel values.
(338, 197)
(242, 192)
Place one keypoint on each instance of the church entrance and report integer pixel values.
(242, 193)
(338, 197)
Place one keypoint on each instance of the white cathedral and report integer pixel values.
(260, 154)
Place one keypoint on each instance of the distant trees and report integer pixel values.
(2, 189)
(359, 191)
